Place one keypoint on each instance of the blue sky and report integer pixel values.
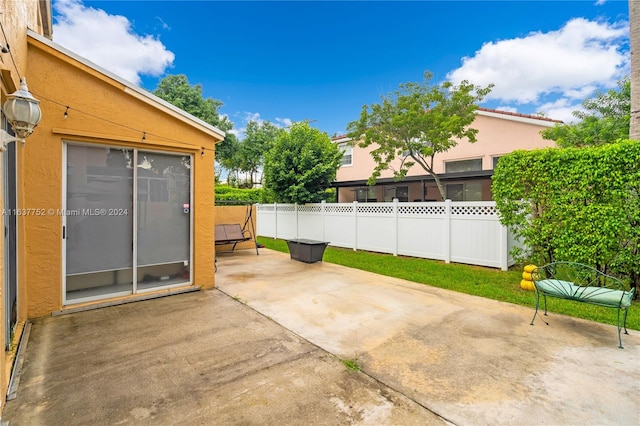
(321, 61)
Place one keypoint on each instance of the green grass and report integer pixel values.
(475, 280)
(351, 364)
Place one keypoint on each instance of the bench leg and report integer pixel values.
(621, 326)
(544, 296)
(537, 299)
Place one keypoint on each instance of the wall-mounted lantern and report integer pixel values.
(23, 113)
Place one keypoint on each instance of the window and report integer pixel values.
(495, 161)
(367, 194)
(347, 155)
(463, 166)
(471, 191)
(399, 192)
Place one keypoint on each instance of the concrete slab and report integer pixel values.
(468, 359)
(192, 359)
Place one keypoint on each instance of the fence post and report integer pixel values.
(355, 225)
(504, 247)
(447, 232)
(275, 218)
(322, 210)
(395, 226)
(295, 211)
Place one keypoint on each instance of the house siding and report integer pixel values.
(499, 133)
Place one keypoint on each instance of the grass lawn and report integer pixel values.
(476, 280)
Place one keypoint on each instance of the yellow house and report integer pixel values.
(102, 201)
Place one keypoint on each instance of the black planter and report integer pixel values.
(308, 251)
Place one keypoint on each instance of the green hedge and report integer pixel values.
(226, 195)
(580, 205)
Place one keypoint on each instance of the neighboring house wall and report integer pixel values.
(106, 112)
(15, 17)
(499, 133)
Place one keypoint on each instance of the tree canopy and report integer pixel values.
(259, 138)
(301, 165)
(604, 120)
(416, 122)
(176, 90)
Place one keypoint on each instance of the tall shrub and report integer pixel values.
(579, 205)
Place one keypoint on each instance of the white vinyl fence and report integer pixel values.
(464, 232)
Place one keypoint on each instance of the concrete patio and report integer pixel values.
(468, 359)
(265, 348)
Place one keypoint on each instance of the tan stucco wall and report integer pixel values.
(15, 17)
(236, 214)
(496, 137)
(102, 111)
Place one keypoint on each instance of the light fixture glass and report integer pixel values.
(22, 111)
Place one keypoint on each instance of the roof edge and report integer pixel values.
(132, 89)
(495, 113)
(515, 116)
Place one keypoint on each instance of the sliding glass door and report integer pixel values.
(163, 219)
(114, 246)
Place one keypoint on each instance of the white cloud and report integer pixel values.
(571, 63)
(507, 108)
(283, 122)
(561, 109)
(246, 117)
(109, 41)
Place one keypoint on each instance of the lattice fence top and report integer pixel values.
(375, 208)
(338, 208)
(462, 209)
(310, 209)
(422, 209)
(481, 210)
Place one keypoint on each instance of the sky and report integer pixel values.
(285, 62)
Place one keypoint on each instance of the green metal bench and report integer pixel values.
(582, 283)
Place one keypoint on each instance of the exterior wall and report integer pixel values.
(16, 17)
(102, 111)
(498, 134)
(236, 214)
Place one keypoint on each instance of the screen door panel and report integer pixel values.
(99, 222)
(163, 219)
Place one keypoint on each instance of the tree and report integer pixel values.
(605, 120)
(634, 36)
(176, 90)
(416, 122)
(228, 156)
(260, 137)
(301, 165)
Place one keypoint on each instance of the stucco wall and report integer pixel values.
(15, 17)
(496, 137)
(102, 111)
(235, 214)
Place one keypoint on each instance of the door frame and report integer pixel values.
(10, 252)
(135, 290)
